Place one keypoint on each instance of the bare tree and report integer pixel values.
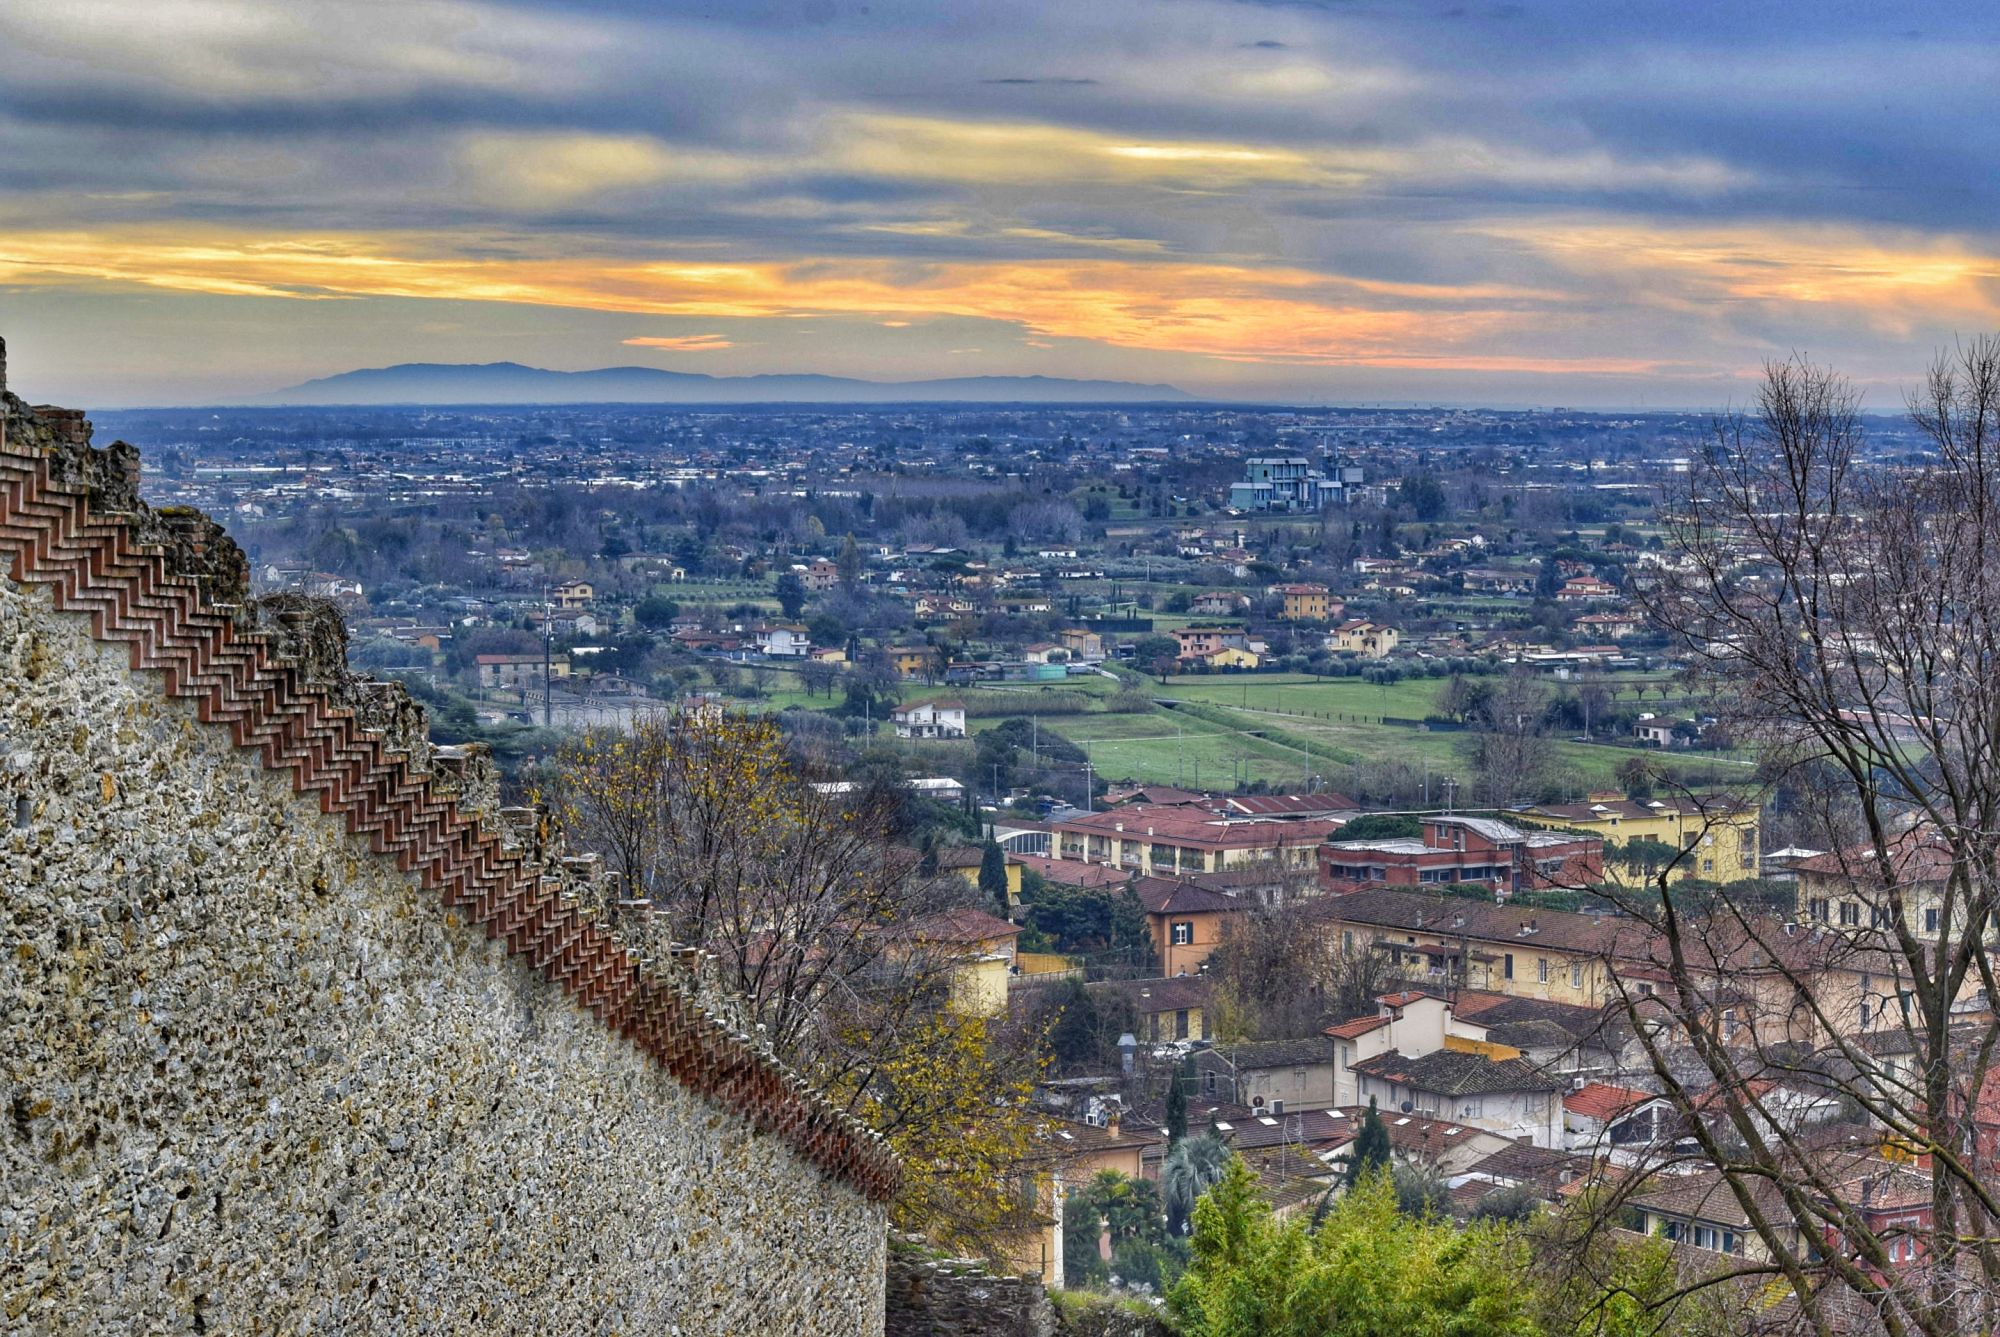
(826, 934)
(817, 677)
(1280, 973)
(1510, 750)
(1847, 615)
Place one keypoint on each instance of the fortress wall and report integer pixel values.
(257, 1081)
(295, 1037)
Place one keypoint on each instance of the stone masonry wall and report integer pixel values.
(930, 1296)
(255, 1084)
(293, 1040)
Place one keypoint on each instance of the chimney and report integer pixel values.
(1111, 1125)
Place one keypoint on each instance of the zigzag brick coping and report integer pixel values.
(93, 564)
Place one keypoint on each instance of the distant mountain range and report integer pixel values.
(512, 383)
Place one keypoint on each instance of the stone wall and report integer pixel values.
(289, 1042)
(932, 1296)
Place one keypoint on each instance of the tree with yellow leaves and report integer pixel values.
(814, 918)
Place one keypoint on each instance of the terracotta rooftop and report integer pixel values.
(1422, 1135)
(1355, 1029)
(964, 923)
(1604, 1102)
(1072, 872)
(1190, 825)
(1176, 896)
(1918, 855)
(1289, 805)
(1483, 921)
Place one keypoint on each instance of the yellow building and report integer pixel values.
(912, 661)
(1303, 603)
(1230, 657)
(965, 861)
(1067, 1156)
(1716, 833)
(1444, 942)
(1370, 640)
(982, 948)
(1169, 1008)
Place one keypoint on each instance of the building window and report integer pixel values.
(1183, 933)
(1850, 914)
(1931, 921)
(1817, 908)
(1208, 1081)
(1181, 1024)
(1474, 1108)
(1576, 976)
(1507, 965)
(1542, 969)
(1347, 941)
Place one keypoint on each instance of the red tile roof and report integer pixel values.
(1916, 855)
(1072, 872)
(1165, 895)
(1604, 1102)
(1184, 825)
(1360, 1026)
(965, 923)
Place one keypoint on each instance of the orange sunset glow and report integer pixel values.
(1249, 201)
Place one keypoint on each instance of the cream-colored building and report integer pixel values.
(1370, 640)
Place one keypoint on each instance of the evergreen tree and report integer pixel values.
(1370, 1152)
(791, 593)
(1177, 1108)
(993, 874)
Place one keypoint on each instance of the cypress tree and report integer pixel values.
(993, 874)
(1371, 1148)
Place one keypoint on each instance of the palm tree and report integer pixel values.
(1191, 1167)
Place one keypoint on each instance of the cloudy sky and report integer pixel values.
(1549, 202)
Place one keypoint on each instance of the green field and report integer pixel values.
(1278, 728)
(1273, 727)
